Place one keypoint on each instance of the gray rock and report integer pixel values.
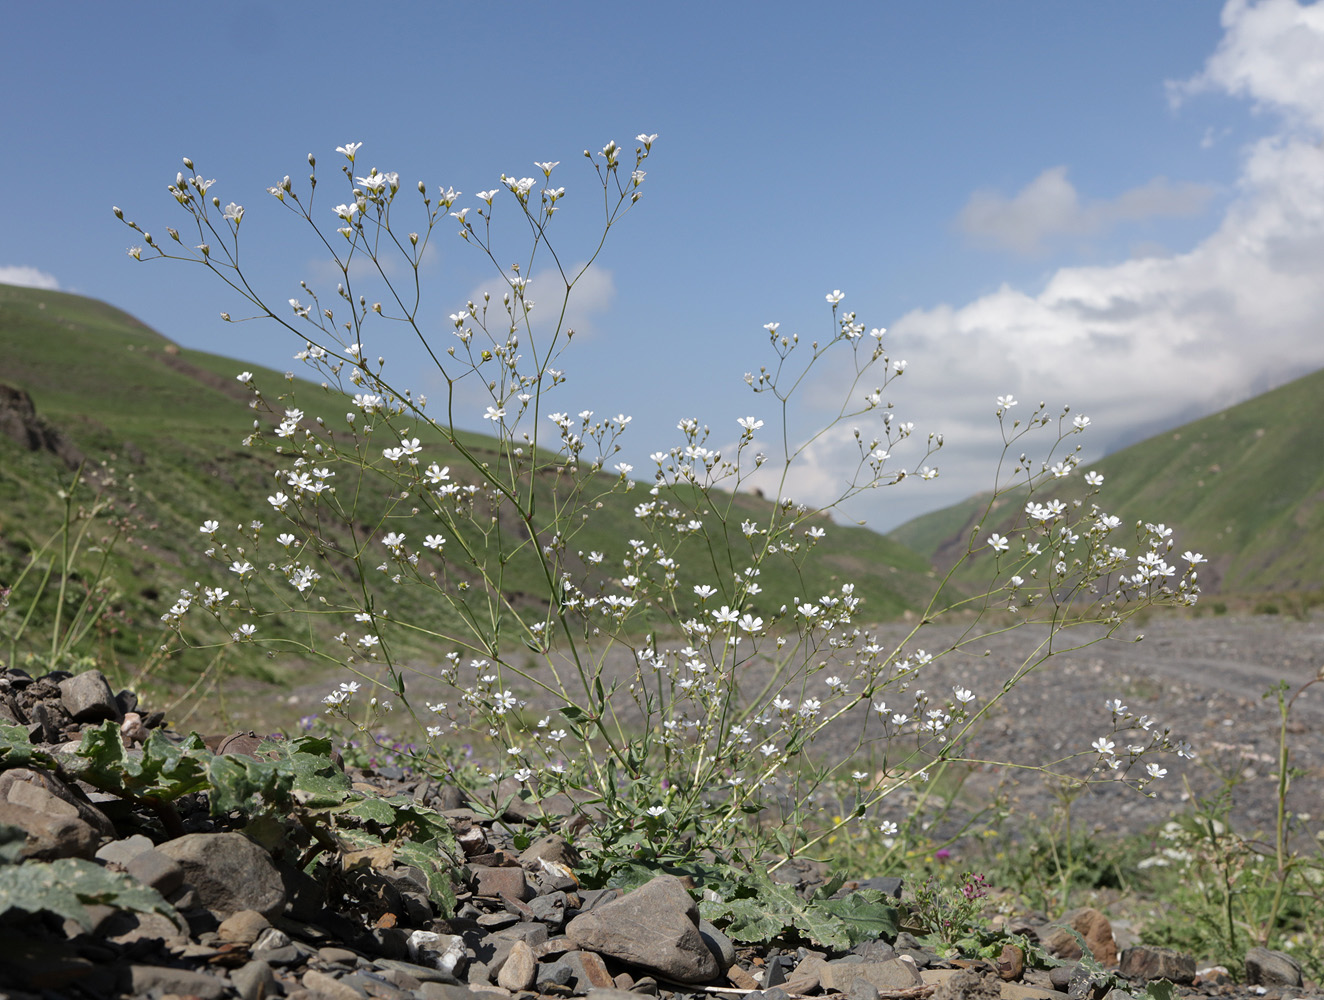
(1147, 962)
(58, 820)
(444, 991)
(1272, 968)
(519, 970)
(255, 981)
(229, 872)
(121, 852)
(553, 848)
(326, 987)
(508, 883)
(161, 872)
(841, 976)
(588, 971)
(87, 697)
(420, 972)
(556, 973)
(719, 944)
(161, 979)
(445, 952)
(549, 909)
(655, 926)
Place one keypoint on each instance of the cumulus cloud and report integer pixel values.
(1049, 206)
(1272, 53)
(28, 277)
(1148, 342)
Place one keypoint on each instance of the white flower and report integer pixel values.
(963, 695)
(1194, 558)
(494, 413)
(1154, 771)
(433, 542)
(349, 149)
(835, 296)
(1094, 478)
(656, 810)
(1104, 745)
(998, 543)
(504, 702)
(210, 527)
(1006, 402)
(750, 424)
(887, 828)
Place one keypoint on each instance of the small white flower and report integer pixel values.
(998, 543)
(835, 296)
(656, 810)
(210, 527)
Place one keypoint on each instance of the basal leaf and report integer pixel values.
(373, 809)
(66, 887)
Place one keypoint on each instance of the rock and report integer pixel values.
(87, 697)
(161, 979)
(508, 883)
(656, 926)
(840, 976)
(420, 972)
(1011, 963)
(1019, 991)
(588, 971)
(719, 944)
(1272, 968)
(255, 981)
(444, 991)
(158, 870)
(551, 848)
(243, 927)
(969, 984)
(121, 852)
(58, 819)
(1147, 962)
(805, 978)
(1090, 924)
(229, 872)
(519, 970)
(326, 987)
(444, 952)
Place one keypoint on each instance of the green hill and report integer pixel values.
(1244, 486)
(160, 429)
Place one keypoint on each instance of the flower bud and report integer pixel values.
(312, 161)
(119, 213)
(215, 202)
(188, 163)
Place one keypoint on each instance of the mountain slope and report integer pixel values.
(1244, 486)
(161, 430)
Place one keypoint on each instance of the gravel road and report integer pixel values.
(1203, 677)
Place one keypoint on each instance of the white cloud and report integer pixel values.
(28, 277)
(1050, 206)
(1272, 53)
(591, 296)
(1148, 342)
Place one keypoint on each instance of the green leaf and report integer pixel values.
(374, 810)
(66, 887)
(861, 916)
(1160, 989)
(16, 750)
(432, 862)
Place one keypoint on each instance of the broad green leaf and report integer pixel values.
(66, 887)
(374, 809)
(16, 750)
(861, 916)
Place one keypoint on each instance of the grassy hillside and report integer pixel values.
(161, 428)
(1244, 486)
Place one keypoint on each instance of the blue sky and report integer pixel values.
(1117, 206)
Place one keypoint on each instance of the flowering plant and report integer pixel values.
(651, 679)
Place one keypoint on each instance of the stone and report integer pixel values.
(254, 980)
(553, 848)
(445, 952)
(444, 991)
(1272, 968)
(420, 972)
(507, 883)
(1091, 925)
(805, 978)
(656, 926)
(719, 944)
(588, 971)
(519, 970)
(161, 872)
(1011, 963)
(329, 987)
(87, 697)
(121, 852)
(229, 872)
(840, 976)
(1147, 962)
(243, 927)
(59, 821)
(162, 979)
(549, 909)
(1019, 991)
